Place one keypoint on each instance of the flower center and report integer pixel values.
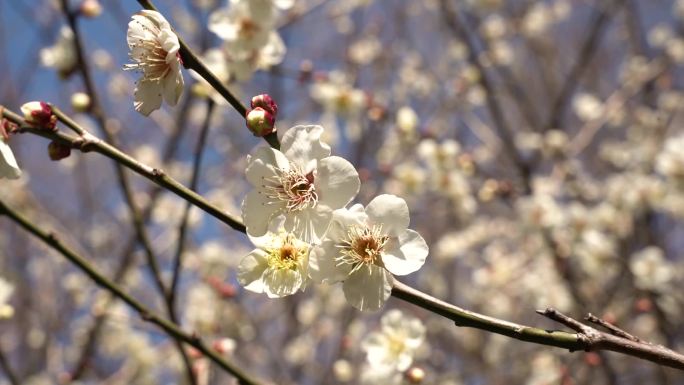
(150, 60)
(293, 187)
(288, 255)
(362, 246)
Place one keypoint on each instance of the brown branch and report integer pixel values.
(594, 340)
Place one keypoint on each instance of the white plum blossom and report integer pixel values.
(8, 165)
(364, 247)
(155, 51)
(62, 55)
(301, 182)
(395, 344)
(245, 24)
(651, 270)
(277, 267)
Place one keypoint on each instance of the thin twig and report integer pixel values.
(610, 327)
(9, 372)
(158, 176)
(52, 240)
(182, 230)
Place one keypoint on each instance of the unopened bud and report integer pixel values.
(58, 151)
(266, 102)
(260, 121)
(39, 115)
(91, 8)
(415, 375)
(80, 102)
(224, 346)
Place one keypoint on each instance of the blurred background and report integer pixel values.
(538, 144)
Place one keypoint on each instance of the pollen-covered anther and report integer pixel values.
(288, 254)
(294, 188)
(362, 246)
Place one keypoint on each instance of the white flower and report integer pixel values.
(62, 55)
(278, 267)
(245, 24)
(243, 63)
(8, 165)
(651, 270)
(216, 62)
(303, 183)
(6, 289)
(395, 344)
(154, 49)
(364, 248)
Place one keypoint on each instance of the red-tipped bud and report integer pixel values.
(267, 103)
(58, 151)
(39, 115)
(260, 121)
(415, 375)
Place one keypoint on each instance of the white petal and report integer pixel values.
(148, 96)
(345, 218)
(173, 86)
(281, 282)
(368, 288)
(257, 212)
(262, 165)
(336, 181)
(8, 165)
(322, 265)
(251, 269)
(405, 254)
(309, 225)
(404, 360)
(390, 211)
(302, 144)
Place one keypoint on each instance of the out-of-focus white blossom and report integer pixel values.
(670, 162)
(651, 270)
(587, 107)
(395, 344)
(62, 55)
(6, 290)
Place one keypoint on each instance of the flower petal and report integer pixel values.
(322, 265)
(391, 212)
(148, 96)
(405, 254)
(281, 282)
(368, 288)
(263, 163)
(257, 212)
(173, 86)
(251, 270)
(8, 165)
(336, 182)
(309, 225)
(302, 144)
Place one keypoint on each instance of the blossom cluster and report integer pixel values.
(298, 218)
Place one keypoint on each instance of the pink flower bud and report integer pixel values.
(260, 121)
(266, 102)
(39, 115)
(58, 151)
